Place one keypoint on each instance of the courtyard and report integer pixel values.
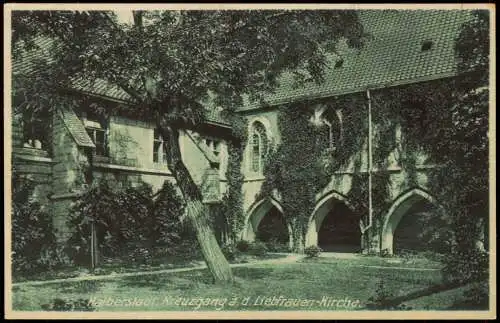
(331, 282)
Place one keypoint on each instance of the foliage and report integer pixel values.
(312, 251)
(472, 49)
(465, 266)
(243, 245)
(303, 162)
(382, 300)
(64, 305)
(230, 251)
(225, 53)
(167, 226)
(434, 118)
(33, 241)
(277, 245)
(128, 222)
(258, 248)
(232, 201)
(295, 175)
(465, 154)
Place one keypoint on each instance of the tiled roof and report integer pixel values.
(102, 88)
(392, 55)
(76, 128)
(26, 62)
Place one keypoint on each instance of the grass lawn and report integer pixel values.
(117, 266)
(308, 285)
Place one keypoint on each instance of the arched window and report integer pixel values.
(333, 119)
(259, 146)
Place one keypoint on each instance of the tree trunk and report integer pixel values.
(197, 212)
(216, 262)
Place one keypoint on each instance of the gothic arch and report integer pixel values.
(323, 206)
(398, 209)
(256, 213)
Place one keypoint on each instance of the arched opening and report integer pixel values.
(265, 222)
(273, 231)
(413, 231)
(334, 226)
(340, 230)
(414, 224)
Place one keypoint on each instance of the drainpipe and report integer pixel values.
(370, 161)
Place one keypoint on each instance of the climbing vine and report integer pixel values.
(295, 169)
(232, 202)
(305, 160)
(303, 163)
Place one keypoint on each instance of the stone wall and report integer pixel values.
(70, 163)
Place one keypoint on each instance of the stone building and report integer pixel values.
(405, 47)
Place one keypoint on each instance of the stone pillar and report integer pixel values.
(248, 232)
(312, 234)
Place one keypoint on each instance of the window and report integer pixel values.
(427, 45)
(36, 129)
(214, 146)
(98, 136)
(333, 119)
(97, 131)
(158, 150)
(259, 146)
(339, 63)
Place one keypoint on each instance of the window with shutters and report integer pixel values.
(97, 129)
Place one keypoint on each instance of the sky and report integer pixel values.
(124, 15)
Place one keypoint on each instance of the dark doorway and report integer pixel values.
(273, 230)
(340, 231)
(419, 230)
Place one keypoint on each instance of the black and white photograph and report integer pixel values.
(253, 161)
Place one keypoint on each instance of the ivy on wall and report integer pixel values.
(302, 165)
(232, 202)
(304, 161)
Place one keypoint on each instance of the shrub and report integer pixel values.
(230, 251)
(466, 266)
(33, 240)
(258, 248)
(312, 251)
(141, 255)
(243, 246)
(129, 222)
(385, 253)
(274, 245)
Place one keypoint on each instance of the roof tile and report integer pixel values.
(393, 54)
